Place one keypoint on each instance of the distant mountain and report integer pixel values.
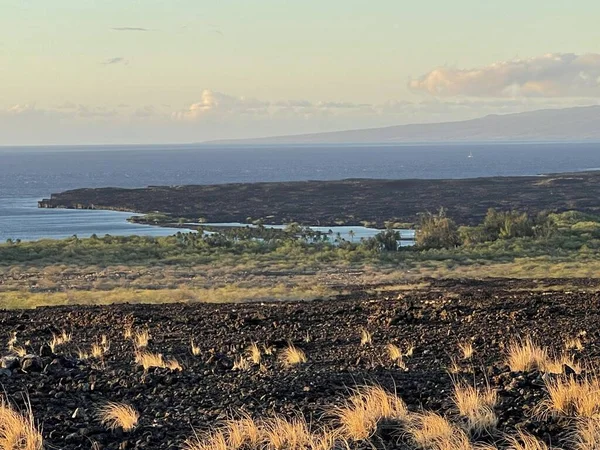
(570, 124)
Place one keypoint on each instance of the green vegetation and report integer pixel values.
(295, 263)
(502, 237)
(437, 231)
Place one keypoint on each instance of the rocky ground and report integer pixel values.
(65, 391)
(329, 203)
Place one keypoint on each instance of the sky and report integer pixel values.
(175, 71)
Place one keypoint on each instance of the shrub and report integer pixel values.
(437, 231)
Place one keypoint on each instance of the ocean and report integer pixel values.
(30, 174)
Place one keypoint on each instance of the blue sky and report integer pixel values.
(181, 70)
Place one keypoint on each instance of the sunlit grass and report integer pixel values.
(118, 415)
(18, 431)
(292, 356)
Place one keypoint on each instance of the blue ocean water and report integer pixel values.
(29, 174)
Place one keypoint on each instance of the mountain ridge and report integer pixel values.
(580, 123)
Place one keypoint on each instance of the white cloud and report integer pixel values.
(216, 104)
(550, 75)
(215, 115)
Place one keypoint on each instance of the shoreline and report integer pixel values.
(350, 202)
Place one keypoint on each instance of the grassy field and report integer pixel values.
(227, 267)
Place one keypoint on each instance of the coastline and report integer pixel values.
(351, 202)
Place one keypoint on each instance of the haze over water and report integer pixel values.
(29, 174)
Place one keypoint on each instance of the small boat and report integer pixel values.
(470, 155)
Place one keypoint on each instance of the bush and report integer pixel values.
(437, 231)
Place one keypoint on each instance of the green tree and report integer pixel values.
(437, 231)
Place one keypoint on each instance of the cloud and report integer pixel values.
(129, 29)
(217, 115)
(21, 109)
(118, 60)
(213, 104)
(550, 75)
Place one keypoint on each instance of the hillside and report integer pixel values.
(550, 125)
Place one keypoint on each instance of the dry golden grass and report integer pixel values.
(432, 431)
(141, 339)
(477, 406)
(525, 441)
(327, 440)
(466, 349)
(18, 350)
(454, 366)
(97, 351)
(396, 355)
(214, 441)
(12, 340)
(18, 431)
(574, 344)
(358, 419)
(241, 363)
(586, 435)
(570, 397)
(149, 360)
(292, 356)
(307, 338)
(104, 342)
(59, 339)
(556, 365)
(254, 353)
(394, 352)
(118, 415)
(268, 350)
(242, 432)
(128, 331)
(194, 348)
(233, 435)
(366, 338)
(289, 434)
(525, 355)
(82, 354)
(173, 364)
(276, 433)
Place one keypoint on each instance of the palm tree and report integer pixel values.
(351, 233)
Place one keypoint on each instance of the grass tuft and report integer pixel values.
(149, 360)
(118, 415)
(525, 441)
(59, 339)
(586, 435)
(571, 397)
(141, 339)
(359, 418)
(477, 406)
(432, 431)
(194, 348)
(281, 433)
(292, 356)
(366, 338)
(525, 355)
(18, 431)
(254, 353)
(241, 364)
(574, 344)
(18, 350)
(466, 349)
(243, 432)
